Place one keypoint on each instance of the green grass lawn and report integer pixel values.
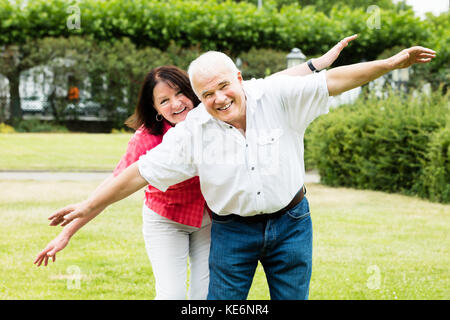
(61, 151)
(367, 245)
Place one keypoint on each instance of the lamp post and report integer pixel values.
(295, 57)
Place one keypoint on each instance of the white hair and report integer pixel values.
(208, 63)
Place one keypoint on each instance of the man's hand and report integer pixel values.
(344, 78)
(328, 58)
(65, 215)
(126, 183)
(57, 244)
(410, 56)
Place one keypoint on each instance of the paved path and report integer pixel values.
(311, 176)
(53, 176)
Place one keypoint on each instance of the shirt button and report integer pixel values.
(231, 127)
(253, 168)
(258, 193)
(246, 145)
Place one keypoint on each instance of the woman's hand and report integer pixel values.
(328, 58)
(57, 244)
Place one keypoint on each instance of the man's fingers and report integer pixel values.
(61, 212)
(69, 217)
(60, 216)
(56, 221)
(427, 50)
(427, 55)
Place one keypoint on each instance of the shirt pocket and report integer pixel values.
(270, 138)
(269, 150)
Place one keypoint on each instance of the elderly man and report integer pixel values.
(245, 142)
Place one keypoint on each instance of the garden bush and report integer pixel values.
(259, 63)
(380, 144)
(435, 180)
(36, 125)
(227, 26)
(4, 128)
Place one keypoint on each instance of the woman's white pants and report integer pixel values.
(168, 245)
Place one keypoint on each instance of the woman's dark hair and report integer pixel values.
(145, 112)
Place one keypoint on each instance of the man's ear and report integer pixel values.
(239, 76)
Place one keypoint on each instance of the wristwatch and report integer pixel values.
(311, 66)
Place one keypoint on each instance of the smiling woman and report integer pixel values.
(164, 91)
(174, 219)
(171, 102)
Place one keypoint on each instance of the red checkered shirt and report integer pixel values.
(183, 202)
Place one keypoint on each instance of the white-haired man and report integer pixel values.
(245, 142)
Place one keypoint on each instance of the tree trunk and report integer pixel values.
(15, 106)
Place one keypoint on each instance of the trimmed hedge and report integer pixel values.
(435, 180)
(383, 144)
(227, 26)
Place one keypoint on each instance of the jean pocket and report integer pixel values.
(300, 211)
(223, 221)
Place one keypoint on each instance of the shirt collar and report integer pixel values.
(200, 114)
(253, 93)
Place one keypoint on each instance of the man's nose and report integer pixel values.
(220, 97)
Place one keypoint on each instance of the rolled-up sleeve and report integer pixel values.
(170, 162)
(302, 98)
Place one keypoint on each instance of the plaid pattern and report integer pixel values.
(183, 202)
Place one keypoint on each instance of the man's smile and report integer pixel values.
(227, 106)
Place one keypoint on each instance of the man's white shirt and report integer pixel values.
(246, 175)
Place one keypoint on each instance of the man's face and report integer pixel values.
(222, 95)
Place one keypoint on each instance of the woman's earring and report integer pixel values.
(160, 118)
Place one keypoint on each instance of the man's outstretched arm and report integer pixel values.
(125, 184)
(344, 78)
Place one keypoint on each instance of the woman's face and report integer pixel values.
(171, 103)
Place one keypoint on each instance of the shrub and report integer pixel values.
(36, 125)
(435, 179)
(4, 128)
(377, 143)
(212, 25)
(259, 63)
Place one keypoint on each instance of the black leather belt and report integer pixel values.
(264, 216)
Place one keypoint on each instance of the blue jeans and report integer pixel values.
(283, 245)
